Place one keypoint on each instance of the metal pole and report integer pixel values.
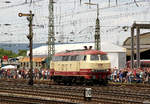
(97, 38)
(138, 46)
(80, 2)
(132, 47)
(116, 2)
(137, 27)
(109, 3)
(51, 35)
(97, 31)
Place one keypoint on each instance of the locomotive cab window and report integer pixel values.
(73, 58)
(103, 57)
(65, 58)
(57, 58)
(94, 57)
(81, 57)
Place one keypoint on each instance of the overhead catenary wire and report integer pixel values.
(19, 4)
(113, 16)
(101, 8)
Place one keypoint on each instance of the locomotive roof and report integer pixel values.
(79, 52)
(35, 59)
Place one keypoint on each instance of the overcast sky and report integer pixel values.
(74, 21)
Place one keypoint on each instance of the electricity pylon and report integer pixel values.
(51, 35)
(97, 29)
(97, 32)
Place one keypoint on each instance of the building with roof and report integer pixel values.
(38, 62)
(144, 46)
(116, 54)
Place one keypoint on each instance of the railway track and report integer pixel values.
(49, 82)
(18, 99)
(74, 94)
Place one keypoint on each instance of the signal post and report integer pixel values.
(30, 37)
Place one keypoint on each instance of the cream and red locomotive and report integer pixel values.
(80, 66)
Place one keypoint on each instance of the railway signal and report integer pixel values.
(30, 37)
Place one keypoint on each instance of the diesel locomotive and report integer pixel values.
(85, 66)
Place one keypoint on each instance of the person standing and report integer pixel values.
(120, 76)
(115, 75)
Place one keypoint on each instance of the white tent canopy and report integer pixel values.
(9, 67)
(105, 46)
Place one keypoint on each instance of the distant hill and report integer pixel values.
(18, 46)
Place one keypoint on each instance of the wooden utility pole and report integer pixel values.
(30, 37)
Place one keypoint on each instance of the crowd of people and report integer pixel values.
(24, 73)
(125, 75)
(128, 75)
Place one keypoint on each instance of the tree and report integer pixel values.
(8, 53)
(22, 52)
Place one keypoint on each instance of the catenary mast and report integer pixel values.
(51, 35)
(97, 32)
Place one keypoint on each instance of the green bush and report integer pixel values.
(10, 54)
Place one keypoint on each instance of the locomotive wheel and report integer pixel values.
(103, 82)
(79, 81)
(89, 83)
(67, 81)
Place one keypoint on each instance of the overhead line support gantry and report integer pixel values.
(51, 35)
